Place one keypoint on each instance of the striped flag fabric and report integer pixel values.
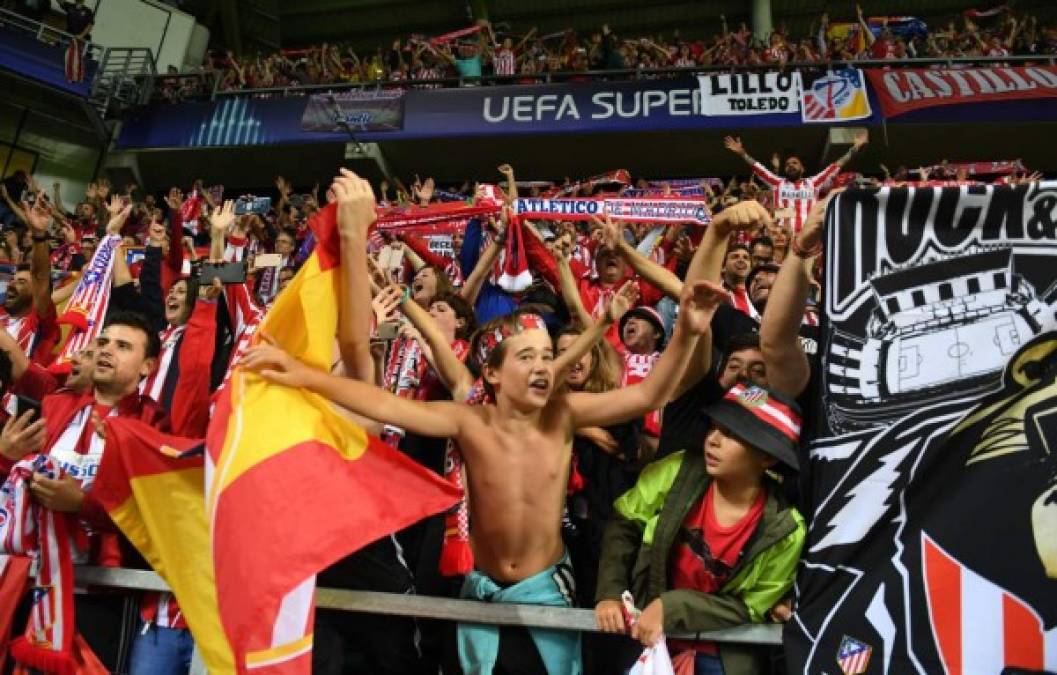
(979, 626)
(86, 310)
(152, 486)
(292, 486)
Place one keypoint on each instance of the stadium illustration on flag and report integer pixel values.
(837, 96)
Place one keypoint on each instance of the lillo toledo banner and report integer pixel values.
(901, 91)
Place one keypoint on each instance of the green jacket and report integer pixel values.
(638, 542)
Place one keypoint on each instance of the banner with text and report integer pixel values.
(749, 93)
(381, 110)
(933, 494)
(903, 90)
(659, 210)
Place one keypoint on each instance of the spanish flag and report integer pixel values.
(292, 486)
(152, 487)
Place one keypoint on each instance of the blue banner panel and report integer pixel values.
(574, 107)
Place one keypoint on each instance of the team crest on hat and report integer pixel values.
(752, 396)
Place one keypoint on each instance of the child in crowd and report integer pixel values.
(517, 453)
(705, 540)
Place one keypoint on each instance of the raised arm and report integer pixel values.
(788, 370)
(697, 304)
(511, 184)
(471, 287)
(439, 419)
(867, 33)
(651, 272)
(38, 218)
(733, 143)
(571, 293)
(356, 213)
(861, 139)
(452, 371)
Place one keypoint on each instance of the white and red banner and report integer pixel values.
(657, 210)
(906, 89)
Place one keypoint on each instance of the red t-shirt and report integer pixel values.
(705, 552)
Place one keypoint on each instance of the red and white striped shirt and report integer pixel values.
(739, 299)
(798, 195)
(154, 384)
(636, 368)
(505, 62)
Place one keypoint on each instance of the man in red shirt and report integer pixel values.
(28, 313)
(795, 193)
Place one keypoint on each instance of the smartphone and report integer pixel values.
(24, 403)
(251, 204)
(267, 260)
(228, 273)
(388, 330)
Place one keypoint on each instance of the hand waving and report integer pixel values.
(355, 203)
(698, 303)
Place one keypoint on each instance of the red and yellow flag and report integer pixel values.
(152, 486)
(292, 486)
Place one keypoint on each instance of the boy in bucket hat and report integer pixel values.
(705, 540)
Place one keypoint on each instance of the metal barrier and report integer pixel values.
(426, 607)
(46, 34)
(626, 74)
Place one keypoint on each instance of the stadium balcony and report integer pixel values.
(651, 122)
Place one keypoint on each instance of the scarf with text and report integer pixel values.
(43, 535)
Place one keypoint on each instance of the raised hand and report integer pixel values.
(861, 138)
(745, 215)
(698, 303)
(37, 215)
(115, 205)
(425, 191)
(733, 144)
(810, 237)
(355, 203)
(211, 291)
(221, 220)
(275, 365)
(505, 169)
(386, 304)
(117, 220)
(622, 301)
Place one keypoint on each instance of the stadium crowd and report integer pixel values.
(629, 405)
(528, 57)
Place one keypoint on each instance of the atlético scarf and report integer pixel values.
(87, 308)
(401, 377)
(614, 179)
(654, 210)
(43, 535)
(514, 275)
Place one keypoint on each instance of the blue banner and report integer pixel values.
(575, 107)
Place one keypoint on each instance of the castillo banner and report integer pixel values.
(903, 90)
(376, 110)
(933, 476)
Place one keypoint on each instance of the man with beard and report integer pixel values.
(737, 263)
(795, 194)
(28, 313)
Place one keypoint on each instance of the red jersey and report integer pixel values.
(705, 552)
(637, 368)
(36, 335)
(798, 195)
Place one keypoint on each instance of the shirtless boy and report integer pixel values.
(517, 453)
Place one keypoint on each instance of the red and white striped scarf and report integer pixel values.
(456, 556)
(87, 307)
(739, 297)
(29, 529)
(75, 61)
(401, 377)
(154, 384)
(637, 368)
